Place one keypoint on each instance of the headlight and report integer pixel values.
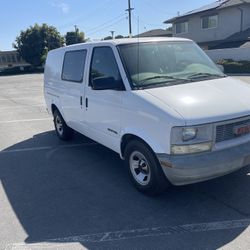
(189, 134)
(192, 139)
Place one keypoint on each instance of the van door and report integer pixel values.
(72, 87)
(103, 107)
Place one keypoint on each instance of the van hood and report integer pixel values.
(206, 101)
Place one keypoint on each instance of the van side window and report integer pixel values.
(73, 65)
(103, 65)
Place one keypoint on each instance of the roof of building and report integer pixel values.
(220, 4)
(237, 40)
(240, 36)
(8, 52)
(156, 33)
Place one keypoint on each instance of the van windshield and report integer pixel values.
(156, 64)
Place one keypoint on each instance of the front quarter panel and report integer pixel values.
(149, 119)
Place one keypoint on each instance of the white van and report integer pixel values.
(160, 103)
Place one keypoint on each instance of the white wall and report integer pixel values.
(235, 54)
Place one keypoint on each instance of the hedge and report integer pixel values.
(231, 66)
(18, 70)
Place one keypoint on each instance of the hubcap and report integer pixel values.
(140, 168)
(59, 125)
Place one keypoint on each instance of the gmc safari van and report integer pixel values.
(160, 103)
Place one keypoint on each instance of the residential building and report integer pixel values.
(224, 21)
(156, 33)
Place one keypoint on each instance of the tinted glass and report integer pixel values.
(104, 65)
(73, 65)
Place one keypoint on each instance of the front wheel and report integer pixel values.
(144, 169)
(64, 132)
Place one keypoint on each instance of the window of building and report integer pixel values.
(103, 65)
(8, 58)
(73, 65)
(209, 22)
(181, 27)
(13, 58)
(18, 58)
(4, 59)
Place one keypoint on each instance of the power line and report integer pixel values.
(105, 23)
(107, 26)
(87, 16)
(150, 24)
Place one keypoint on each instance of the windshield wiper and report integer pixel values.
(162, 84)
(163, 77)
(202, 75)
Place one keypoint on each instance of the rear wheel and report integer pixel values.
(144, 168)
(62, 130)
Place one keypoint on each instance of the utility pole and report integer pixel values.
(129, 17)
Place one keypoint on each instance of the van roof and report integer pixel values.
(136, 40)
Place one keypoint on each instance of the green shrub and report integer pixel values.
(231, 66)
(20, 70)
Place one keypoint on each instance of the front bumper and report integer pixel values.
(187, 169)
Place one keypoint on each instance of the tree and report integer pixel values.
(34, 43)
(73, 37)
(108, 38)
(119, 37)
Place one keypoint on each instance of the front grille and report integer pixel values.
(226, 131)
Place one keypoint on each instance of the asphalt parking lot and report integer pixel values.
(77, 195)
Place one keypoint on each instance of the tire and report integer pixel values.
(64, 132)
(144, 168)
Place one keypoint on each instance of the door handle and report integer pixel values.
(86, 102)
(81, 100)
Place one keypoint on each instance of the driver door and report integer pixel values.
(104, 107)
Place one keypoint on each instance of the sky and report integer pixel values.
(96, 18)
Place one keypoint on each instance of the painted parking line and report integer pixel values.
(46, 148)
(45, 246)
(140, 233)
(25, 120)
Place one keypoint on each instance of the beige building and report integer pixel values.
(11, 59)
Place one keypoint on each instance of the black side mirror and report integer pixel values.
(104, 83)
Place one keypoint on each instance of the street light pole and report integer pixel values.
(112, 33)
(76, 31)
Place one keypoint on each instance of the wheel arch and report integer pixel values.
(54, 107)
(127, 137)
